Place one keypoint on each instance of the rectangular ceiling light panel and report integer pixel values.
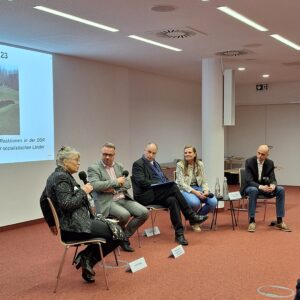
(74, 18)
(154, 43)
(241, 18)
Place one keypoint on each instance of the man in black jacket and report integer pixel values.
(150, 186)
(260, 179)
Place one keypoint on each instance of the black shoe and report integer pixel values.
(77, 261)
(126, 246)
(180, 239)
(273, 223)
(87, 277)
(86, 265)
(197, 219)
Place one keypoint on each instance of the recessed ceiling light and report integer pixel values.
(74, 18)
(153, 43)
(266, 75)
(241, 18)
(285, 41)
(241, 68)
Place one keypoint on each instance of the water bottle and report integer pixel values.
(217, 188)
(225, 189)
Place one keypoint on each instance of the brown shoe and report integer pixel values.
(282, 226)
(196, 227)
(252, 227)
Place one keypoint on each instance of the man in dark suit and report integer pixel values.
(148, 182)
(260, 179)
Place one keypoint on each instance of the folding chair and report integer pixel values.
(67, 245)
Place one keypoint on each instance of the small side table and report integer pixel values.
(232, 212)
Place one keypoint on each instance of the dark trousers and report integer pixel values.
(98, 230)
(171, 197)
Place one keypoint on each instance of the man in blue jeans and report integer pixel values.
(260, 179)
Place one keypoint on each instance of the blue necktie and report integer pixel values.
(159, 172)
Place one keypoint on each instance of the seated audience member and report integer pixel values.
(260, 180)
(149, 187)
(190, 178)
(110, 194)
(74, 213)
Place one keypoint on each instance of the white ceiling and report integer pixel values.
(22, 25)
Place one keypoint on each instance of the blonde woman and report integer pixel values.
(190, 178)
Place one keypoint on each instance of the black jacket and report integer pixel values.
(251, 173)
(69, 200)
(141, 181)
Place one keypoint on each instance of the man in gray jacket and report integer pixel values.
(110, 185)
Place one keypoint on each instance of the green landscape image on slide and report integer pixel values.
(9, 101)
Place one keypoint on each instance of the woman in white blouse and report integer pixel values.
(190, 178)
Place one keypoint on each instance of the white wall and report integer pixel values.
(273, 118)
(166, 111)
(95, 103)
(277, 93)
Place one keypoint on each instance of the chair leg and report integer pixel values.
(75, 253)
(265, 203)
(233, 216)
(152, 221)
(214, 218)
(60, 268)
(116, 258)
(238, 214)
(138, 237)
(104, 266)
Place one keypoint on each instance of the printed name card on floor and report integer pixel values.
(136, 265)
(234, 195)
(177, 251)
(151, 231)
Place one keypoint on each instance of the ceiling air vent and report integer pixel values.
(163, 8)
(232, 53)
(175, 33)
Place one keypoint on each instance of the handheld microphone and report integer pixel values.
(125, 173)
(82, 176)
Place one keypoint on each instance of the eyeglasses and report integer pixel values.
(108, 154)
(77, 160)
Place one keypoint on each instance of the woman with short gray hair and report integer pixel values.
(75, 215)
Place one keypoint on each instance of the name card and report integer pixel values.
(136, 265)
(234, 195)
(177, 251)
(151, 231)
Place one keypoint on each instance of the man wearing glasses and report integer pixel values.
(110, 185)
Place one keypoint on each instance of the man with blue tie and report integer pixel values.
(150, 186)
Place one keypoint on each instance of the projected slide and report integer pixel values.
(26, 105)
